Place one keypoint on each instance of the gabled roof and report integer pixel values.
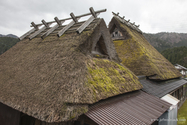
(138, 55)
(54, 79)
(160, 89)
(135, 108)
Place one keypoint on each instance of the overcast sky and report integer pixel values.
(152, 15)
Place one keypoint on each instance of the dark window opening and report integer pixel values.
(100, 46)
(116, 33)
(27, 120)
(100, 49)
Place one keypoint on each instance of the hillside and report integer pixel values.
(176, 55)
(163, 40)
(6, 43)
(9, 35)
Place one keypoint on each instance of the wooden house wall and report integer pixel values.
(180, 94)
(9, 116)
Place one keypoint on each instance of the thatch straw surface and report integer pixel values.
(139, 56)
(56, 78)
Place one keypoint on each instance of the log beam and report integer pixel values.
(87, 14)
(86, 23)
(40, 30)
(30, 31)
(59, 23)
(61, 32)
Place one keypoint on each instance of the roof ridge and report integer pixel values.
(46, 25)
(127, 22)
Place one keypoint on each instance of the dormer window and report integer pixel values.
(100, 50)
(116, 34)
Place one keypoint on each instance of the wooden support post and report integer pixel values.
(59, 23)
(61, 32)
(87, 14)
(27, 33)
(34, 25)
(85, 24)
(137, 26)
(73, 17)
(45, 24)
(75, 20)
(40, 30)
(30, 31)
(93, 12)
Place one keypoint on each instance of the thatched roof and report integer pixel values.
(139, 56)
(56, 78)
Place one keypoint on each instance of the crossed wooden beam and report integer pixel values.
(127, 22)
(46, 25)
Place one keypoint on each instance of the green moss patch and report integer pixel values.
(108, 78)
(140, 57)
(182, 114)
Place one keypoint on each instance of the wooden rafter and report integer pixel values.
(127, 22)
(35, 31)
(34, 25)
(73, 17)
(30, 31)
(40, 30)
(61, 32)
(86, 23)
(83, 15)
(59, 23)
(93, 12)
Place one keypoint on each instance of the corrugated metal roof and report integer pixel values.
(160, 89)
(132, 108)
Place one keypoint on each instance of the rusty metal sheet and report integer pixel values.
(132, 108)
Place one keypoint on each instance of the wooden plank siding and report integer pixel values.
(8, 115)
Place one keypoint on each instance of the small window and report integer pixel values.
(116, 33)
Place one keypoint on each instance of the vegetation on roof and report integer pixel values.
(54, 79)
(140, 57)
(107, 78)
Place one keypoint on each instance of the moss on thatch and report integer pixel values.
(107, 78)
(139, 56)
(56, 78)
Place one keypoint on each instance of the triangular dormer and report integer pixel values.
(99, 49)
(115, 33)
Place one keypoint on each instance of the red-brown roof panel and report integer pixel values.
(131, 108)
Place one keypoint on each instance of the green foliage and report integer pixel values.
(176, 55)
(6, 43)
(182, 114)
(181, 43)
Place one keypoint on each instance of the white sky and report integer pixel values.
(152, 15)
